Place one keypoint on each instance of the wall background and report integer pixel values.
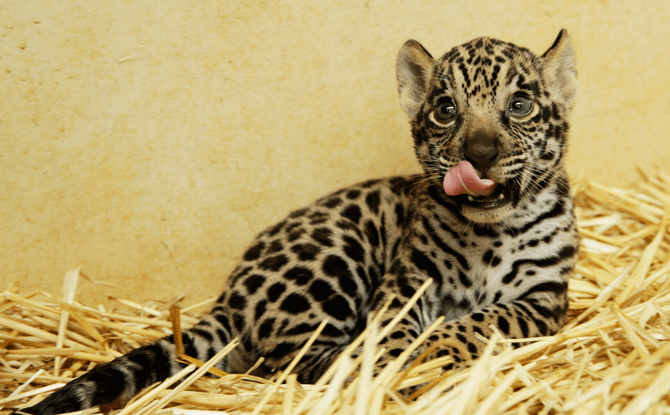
(149, 141)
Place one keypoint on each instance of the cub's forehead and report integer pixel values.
(486, 51)
(485, 63)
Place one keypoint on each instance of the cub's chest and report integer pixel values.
(480, 264)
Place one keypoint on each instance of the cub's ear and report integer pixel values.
(560, 70)
(413, 69)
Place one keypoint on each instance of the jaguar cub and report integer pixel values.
(499, 248)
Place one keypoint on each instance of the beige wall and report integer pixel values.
(148, 141)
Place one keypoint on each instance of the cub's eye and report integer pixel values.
(445, 111)
(519, 106)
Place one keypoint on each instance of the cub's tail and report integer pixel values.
(124, 377)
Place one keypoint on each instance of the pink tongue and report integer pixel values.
(463, 179)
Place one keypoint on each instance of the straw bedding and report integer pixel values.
(613, 355)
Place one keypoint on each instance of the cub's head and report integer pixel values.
(496, 105)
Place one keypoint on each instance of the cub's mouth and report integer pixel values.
(501, 196)
(463, 183)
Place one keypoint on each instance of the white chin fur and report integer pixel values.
(495, 215)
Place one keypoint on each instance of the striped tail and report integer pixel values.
(121, 379)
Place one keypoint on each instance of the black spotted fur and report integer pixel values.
(503, 261)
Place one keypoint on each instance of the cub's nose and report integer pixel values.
(481, 149)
